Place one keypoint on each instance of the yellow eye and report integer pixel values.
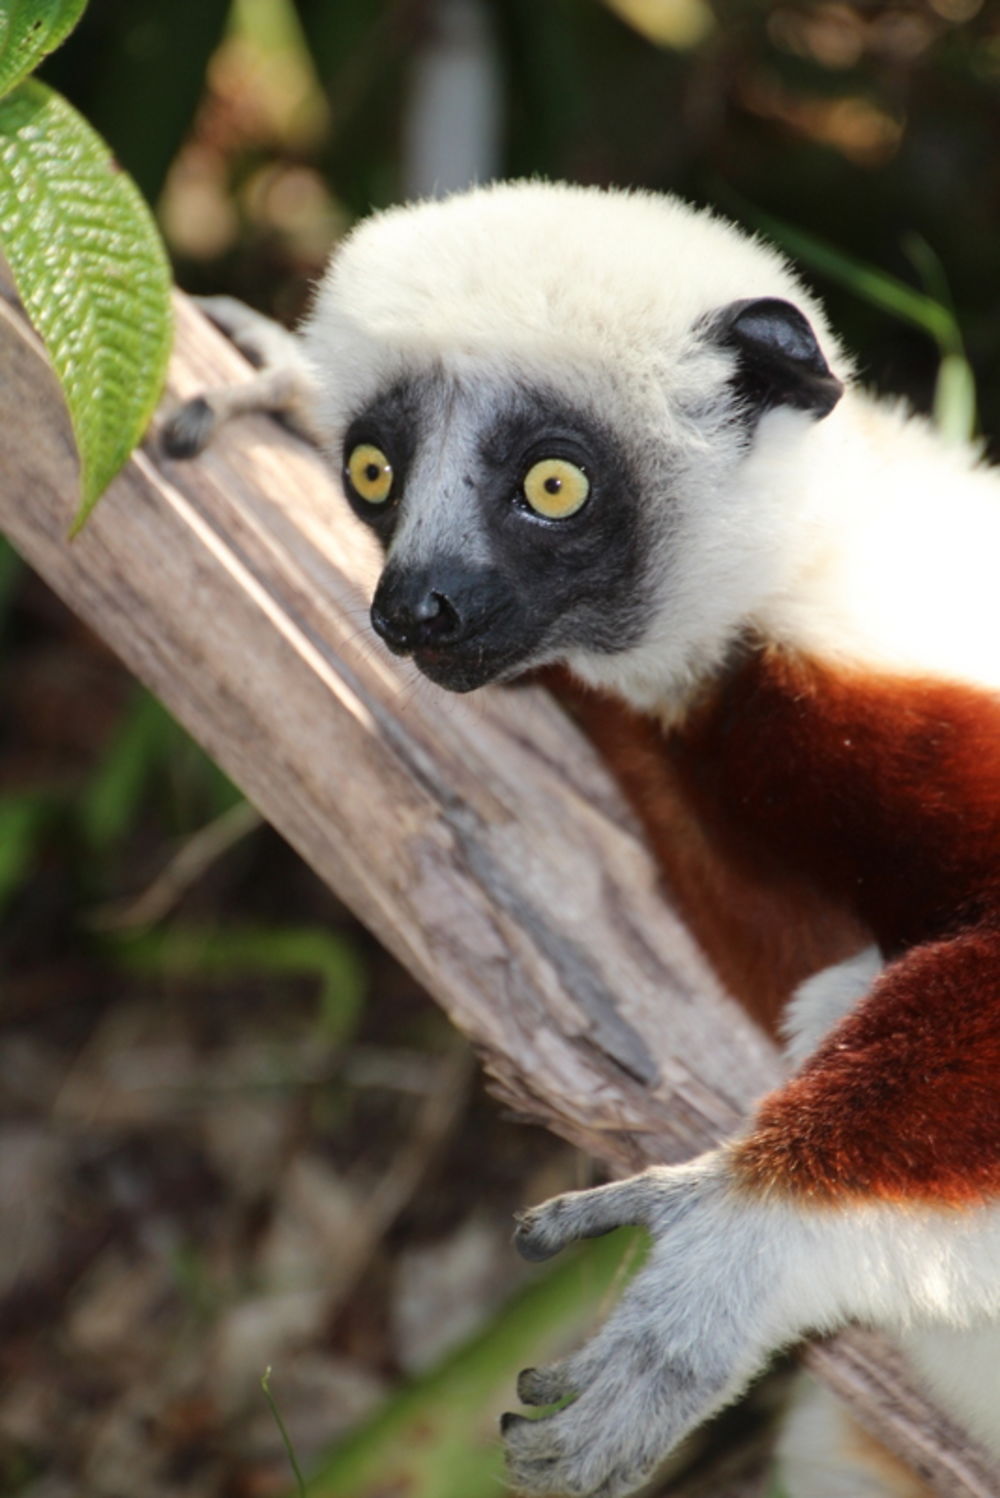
(555, 488)
(370, 473)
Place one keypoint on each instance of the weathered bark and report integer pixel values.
(479, 838)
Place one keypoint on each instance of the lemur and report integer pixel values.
(607, 431)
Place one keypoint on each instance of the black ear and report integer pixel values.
(779, 361)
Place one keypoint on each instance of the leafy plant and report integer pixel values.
(84, 252)
(22, 822)
(293, 1460)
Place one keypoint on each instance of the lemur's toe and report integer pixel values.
(534, 1438)
(534, 1237)
(537, 1386)
(543, 1231)
(190, 429)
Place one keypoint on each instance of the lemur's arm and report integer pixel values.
(839, 1203)
(283, 388)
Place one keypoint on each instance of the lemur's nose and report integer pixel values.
(410, 614)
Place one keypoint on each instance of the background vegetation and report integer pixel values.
(232, 1132)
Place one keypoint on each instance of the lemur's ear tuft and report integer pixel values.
(780, 362)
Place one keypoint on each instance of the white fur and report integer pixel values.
(827, 535)
(732, 1277)
(822, 1000)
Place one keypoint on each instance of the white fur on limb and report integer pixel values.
(730, 1279)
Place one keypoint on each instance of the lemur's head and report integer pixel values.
(552, 405)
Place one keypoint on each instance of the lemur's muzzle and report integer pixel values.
(455, 621)
(412, 617)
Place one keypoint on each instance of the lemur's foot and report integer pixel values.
(686, 1337)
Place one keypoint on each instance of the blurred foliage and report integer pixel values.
(136, 69)
(931, 310)
(205, 952)
(860, 124)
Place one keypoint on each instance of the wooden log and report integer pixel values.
(479, 838)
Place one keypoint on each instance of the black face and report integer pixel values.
(529, 546)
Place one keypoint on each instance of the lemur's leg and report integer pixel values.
(285, 387)
(822, 1451)
(868, 1188)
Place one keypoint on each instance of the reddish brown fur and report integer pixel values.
(798, 807)
(763, 931)
(883, 793)
(902, 1100)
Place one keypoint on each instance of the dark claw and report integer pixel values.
(189, 430)
(539, 1386)
(528, 1245)
(509, 1420)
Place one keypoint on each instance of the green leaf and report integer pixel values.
(92, 273)
(28, 30)
(955, 399)
(874, 286)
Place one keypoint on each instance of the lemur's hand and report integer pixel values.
(696, 1323)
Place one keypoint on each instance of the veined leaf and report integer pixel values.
(28, 30)
(92, 273)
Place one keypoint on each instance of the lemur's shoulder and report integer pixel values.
(902, 579)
